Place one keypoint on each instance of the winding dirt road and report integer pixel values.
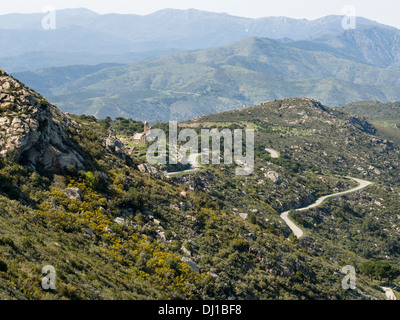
(285, 215)
(296, 230)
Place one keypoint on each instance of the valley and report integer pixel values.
(305, 113)
(127, 220)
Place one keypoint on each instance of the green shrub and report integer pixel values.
(6, 241)
(3, 266)
(13, 156)
(168, 234)
(43, 102)
(379, 270)
(252, 218)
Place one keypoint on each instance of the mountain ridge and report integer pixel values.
(151, 35)
(184, 85)
(370, 45)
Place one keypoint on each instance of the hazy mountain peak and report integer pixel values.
(143, 36)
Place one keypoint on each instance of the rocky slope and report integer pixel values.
(33, 130)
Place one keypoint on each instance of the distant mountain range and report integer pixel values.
(335, 68)
(85, 37)
(370, 45)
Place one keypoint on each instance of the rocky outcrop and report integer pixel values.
(274, 177)
(203, 180)
(362, 124)
(73, 193)
(115, 146)
(191, 264)
(146, 168)
(34, 130)
(244, 216)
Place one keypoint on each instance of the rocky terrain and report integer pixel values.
(32, 129)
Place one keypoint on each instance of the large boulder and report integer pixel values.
(73, 193)
(115, 146)
(191, 264)
(274, 177)
(34, 129)
(146, 168)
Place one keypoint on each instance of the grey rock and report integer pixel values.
(194, 244)
(120, 220)
(274, 177)
(107, 229)
(9, 255)
(146, 168)
(244, 216)
(58, 246)
(89, 231)
(162, 235)
(191, 264)
(34, 128)
(73, 193)
(191, 217)
(214, 275)
(186, 251)
(182, 206)
(115, 146)
(102, 210)
(149, 214)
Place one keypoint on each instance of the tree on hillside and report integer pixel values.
(379, 270)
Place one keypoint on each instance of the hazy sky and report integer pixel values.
(383, 11)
